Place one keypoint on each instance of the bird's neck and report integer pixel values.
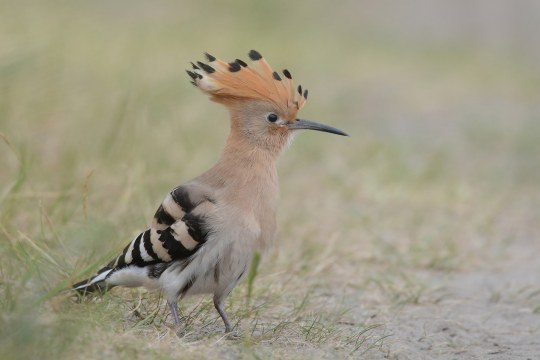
(244, 161)
(246, 177)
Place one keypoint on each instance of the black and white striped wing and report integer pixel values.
(179, 228)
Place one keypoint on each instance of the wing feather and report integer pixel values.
(179, 228)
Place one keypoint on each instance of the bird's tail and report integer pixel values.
(94, 284)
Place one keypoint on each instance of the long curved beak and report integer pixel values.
(312, 125)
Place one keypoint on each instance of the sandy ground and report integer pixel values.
(473, 320)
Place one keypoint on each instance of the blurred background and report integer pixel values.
(98, 120)
(107, 77)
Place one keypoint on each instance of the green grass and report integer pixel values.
(98, 120)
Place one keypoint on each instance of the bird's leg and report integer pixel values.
(174, 311)
(218, 304)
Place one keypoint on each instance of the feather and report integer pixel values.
(224, 81)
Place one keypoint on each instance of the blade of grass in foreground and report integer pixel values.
(251, 277)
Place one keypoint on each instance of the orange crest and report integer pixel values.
(236, 80)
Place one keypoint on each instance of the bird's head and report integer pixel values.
(263, 103)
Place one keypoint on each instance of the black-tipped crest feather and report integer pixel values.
(210, 57)
(241, 62)
(234, 67)
(192, 74)
(207, 68)
(255, 55)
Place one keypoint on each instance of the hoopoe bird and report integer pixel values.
(206, 231)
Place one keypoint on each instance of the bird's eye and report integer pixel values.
(272, 117)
